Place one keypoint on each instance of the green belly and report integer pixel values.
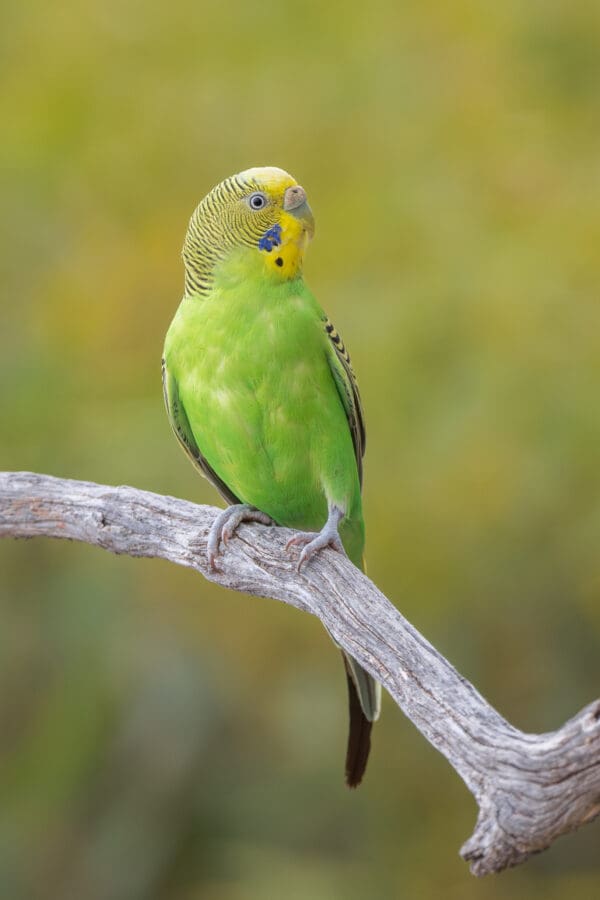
(265, 411)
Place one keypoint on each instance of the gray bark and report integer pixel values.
(530, 788)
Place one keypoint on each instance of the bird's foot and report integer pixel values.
(224, 526)
(312, 541)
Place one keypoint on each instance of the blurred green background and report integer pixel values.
(162, 739)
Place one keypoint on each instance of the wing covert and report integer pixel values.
(181, 426)
(345, 379)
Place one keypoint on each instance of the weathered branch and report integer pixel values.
(530, 788)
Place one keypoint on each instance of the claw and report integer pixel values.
(224, 526)
(315, 541)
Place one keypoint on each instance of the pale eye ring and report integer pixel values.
(257, 200)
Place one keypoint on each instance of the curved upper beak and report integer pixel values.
(294, 202)
(294, 197)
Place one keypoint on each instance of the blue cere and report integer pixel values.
(270, 239)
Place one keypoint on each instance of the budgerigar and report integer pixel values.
(260, 390)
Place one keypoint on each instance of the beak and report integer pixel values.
(294, 202)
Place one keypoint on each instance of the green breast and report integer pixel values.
(253, 374)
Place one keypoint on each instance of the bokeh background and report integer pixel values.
(162, 739)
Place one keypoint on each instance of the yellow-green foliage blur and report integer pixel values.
(160, 738)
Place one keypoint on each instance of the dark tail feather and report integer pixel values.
(359, 737)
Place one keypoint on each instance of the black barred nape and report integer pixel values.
(220, 223)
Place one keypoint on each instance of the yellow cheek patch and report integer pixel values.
(285, 257)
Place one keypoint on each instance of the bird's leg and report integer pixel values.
(224, 526)
(312, 541)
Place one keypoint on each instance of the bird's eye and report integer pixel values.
(257, 201)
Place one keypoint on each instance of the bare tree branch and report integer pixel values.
(530, 788)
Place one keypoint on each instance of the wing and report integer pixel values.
(181, 426)
(345, 380)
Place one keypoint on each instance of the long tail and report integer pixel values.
(363, 703)
(359, 735)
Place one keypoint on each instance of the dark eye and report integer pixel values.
(257, 201)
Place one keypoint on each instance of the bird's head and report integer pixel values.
(256, 220)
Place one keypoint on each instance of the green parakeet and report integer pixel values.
(260, 390)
